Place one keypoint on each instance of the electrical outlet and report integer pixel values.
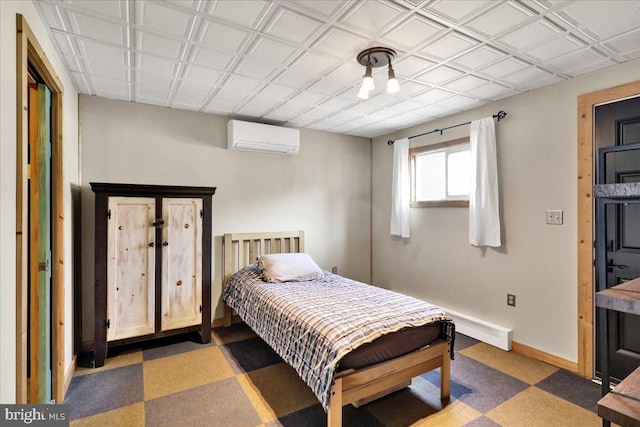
(554, 217)
(334, 270)
(511, 300)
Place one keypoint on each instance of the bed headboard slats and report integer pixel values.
(242, 249)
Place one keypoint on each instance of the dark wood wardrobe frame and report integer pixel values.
(102, 193)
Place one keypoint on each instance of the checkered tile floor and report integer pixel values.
(237, 380)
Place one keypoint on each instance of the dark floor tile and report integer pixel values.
(234, 332)
(356, 417)
(575, 389)
(252, 354)
(408, 406)
(94, 393)
(476, 384)
(482, 422)
(221, 403)
(312, 416)
(173, 345)
(463, 341)
(315, 416)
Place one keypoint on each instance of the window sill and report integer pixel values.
(440, 204)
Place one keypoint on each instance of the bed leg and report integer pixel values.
(227, 316)
(445, 373)
(334, 412)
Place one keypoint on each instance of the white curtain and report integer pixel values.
(401, 190)
(484, 200)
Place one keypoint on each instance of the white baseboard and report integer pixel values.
(490, 333)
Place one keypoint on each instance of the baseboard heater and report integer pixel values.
(496, 335)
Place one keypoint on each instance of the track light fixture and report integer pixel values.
(372, 58)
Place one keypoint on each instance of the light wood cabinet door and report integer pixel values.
(181, 263)
(130, 267)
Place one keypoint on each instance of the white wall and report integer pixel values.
(537, 156)
(324, 190)
(8, 10)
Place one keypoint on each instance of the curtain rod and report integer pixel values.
(500, 115)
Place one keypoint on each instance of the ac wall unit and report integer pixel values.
(263, 138)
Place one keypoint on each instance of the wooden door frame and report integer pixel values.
(586, 105)
(29, 52)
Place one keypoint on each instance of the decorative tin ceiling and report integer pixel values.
(294, 62)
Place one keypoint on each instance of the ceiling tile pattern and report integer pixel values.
(293, 62)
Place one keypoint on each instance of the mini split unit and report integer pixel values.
(262, 138)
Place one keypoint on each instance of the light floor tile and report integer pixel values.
(524, 368)
(536, 408)
(453, 415)
(124, 359)
(276, 391)
(131, 416)
(182, 371)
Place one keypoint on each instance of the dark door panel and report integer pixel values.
(628, 216)
(619, 124)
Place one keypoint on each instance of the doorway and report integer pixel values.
(618, 123)
(39, 242)
(586, 107)
(30, 59)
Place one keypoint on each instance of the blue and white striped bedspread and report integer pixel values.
(313, 324)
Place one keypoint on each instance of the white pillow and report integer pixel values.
(293, 267)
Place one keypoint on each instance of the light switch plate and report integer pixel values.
(554, 217)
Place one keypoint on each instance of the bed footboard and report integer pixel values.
(353, 386)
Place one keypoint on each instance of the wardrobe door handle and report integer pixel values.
(152, 244)
(165, 243)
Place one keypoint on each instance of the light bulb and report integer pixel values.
(392, 84)
(367, 83)
(363, 93)
(367, 80)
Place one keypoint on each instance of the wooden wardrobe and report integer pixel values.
(152, 263)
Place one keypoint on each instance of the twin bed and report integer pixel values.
(350, 342)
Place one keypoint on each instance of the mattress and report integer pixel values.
(391, 345)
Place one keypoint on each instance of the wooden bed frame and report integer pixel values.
(351, 386)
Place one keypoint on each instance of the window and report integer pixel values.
(440, 174)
